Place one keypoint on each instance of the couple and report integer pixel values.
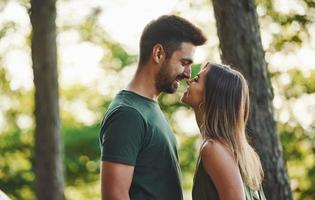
(138, 148)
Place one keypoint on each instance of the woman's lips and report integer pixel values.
(187, 89)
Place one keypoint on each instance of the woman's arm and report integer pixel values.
(223, 170)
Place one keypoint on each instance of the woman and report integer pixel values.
(228, 167)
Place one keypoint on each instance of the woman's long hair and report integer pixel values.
(226, 110)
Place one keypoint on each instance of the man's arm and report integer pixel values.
(115, 180)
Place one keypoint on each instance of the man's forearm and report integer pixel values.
(112, 195)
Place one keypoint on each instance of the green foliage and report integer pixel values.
(195, 68)
(298, 143)
(301, 83)
(299, 152)
(82, 153)
(6, 28)
(93, 32)
(81, 162)
(188, 159)
(294, 26)
(16, 175)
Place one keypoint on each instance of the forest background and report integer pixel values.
(97, 55)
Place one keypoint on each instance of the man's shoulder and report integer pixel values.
(123, 111)
(119, 117)
(127, 99)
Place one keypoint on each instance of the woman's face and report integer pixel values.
(195, 92)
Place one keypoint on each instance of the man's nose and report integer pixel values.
(187, 71)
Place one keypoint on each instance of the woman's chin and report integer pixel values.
(182, 99)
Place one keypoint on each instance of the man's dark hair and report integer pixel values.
(169, 31)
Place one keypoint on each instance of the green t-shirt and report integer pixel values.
(135, 132)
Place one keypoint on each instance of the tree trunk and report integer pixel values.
(241, 47)
(48, 149)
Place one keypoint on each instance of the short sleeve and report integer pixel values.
(121, 136)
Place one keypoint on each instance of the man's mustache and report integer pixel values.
(181, 77)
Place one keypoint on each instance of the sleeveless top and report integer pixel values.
(204, 188)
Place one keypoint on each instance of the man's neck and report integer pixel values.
(143, 83)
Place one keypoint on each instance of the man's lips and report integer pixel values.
(181, 77)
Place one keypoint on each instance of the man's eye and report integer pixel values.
(185, 63)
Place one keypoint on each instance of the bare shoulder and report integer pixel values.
(215, 153)
(220, 165)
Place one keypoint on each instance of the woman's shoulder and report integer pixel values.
(218, 159)
(212, 149)
(219, 163)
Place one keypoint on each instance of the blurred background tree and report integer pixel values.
(48, 156)
(95, 62)
(241, 46)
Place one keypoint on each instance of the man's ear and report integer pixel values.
(158, 53)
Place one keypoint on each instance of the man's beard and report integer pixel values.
(165, 81)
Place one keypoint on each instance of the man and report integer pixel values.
(139, 154)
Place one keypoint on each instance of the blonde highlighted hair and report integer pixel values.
(226, 111)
